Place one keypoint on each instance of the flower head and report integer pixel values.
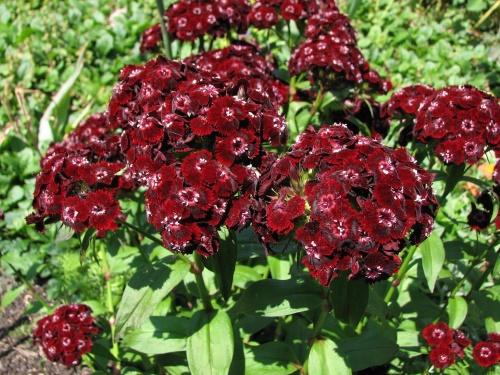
(67, 334)
(363, 201)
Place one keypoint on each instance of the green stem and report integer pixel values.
(115, 350)
(164, 32)
(155, 239)
(316, 104)
(401, 274)
(198, 275)
(484, 275)
(454, 175)
(474, 263)
(488, 13)
(30, 287)
(318, 325)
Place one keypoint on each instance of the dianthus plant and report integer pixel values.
(284, 218)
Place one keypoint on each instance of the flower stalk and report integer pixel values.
(401, 274)
(197, 269)
(164, 32)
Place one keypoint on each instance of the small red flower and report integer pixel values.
(67, 334)
(438, 334)
(486, 353)
(442, 357)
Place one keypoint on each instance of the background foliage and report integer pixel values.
(433, 42)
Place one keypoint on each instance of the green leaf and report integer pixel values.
(145, 290)
(210, 348)
(457, 311)
(354, 5)
(280, 268)
(349, 299)
(324, 360)
(159, 335)
(433, 255)
(45, 130)
(476, 5)
(375, 346)
(272, 358)
(274, 298)
(223, 263)
(104, 44)
(11, 296)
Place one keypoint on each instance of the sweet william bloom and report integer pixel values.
(447, 344)
(363, 201)
(67, 334)
(486, 353)
(438, 334)
(282, 211)
(151, 38)
(460, 122)
(265, 14)
(442, 357)
(79, 174)
(330, 55)
(243, 61)
(407, 101)
(193, 136)
(190, 19)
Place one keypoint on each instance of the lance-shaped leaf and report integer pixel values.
(146, 289)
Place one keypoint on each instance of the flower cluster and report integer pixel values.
(330, 55)
(407, 101)
(496, 186)
(446, 344)
(243, 64)
(151, 38)
(66, 335)
(190, 19)
(363, 200)
(487, 353)
(265, 14)
(168, 109)
(78, 182)
(461, 121)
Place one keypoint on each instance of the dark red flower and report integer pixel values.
(190, 19)
(442, 357)
(242, 66)
(263, 16)
(151, 38)
(329, 54)
(458, 119)
(486, 353)
(363, 200)
(67, 334)
(438, 334)
(282, 212)
(85, 164)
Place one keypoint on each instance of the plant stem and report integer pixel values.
(401, 274)
(164, 32)
(484, 275)
(454, 175)
(318, 325)
(474, 263)
(198, 275)
(316, 104)
(30, 287)
(156, 240)
(115, 350)
(488, 13)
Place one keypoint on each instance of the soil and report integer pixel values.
(18, 353)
